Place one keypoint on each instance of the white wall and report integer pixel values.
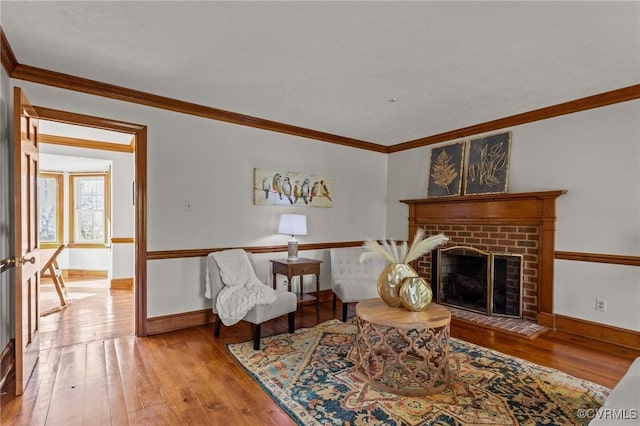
(175, 299)
(211, 163)
(595, 155)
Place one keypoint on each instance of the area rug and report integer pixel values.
(313, 375)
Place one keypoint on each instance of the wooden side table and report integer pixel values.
(301, 267)
(404, 352)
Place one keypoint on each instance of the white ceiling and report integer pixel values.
(334, 66)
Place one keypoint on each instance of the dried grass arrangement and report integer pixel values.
(403, 253)
(399, 284)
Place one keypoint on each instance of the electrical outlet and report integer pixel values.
(601, 305)
(187, 206)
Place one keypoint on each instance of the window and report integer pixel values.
(89, 209)
(50, 193)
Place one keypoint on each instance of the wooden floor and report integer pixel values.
(98, 373)
(95, 313)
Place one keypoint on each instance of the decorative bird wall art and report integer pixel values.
(286, 188)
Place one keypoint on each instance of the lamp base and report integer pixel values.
(292, 250)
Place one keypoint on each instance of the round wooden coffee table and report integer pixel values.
(404, 352)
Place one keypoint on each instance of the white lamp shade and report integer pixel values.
(293, 224)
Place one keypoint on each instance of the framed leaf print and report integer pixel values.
(488, 164)
(445, 170)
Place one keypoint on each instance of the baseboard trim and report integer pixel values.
(602, 332)
(84, 273)
(122, 240)
(7, 364)
(596, 331)
(325, 295)
(121, 284)
(546, 319)
(179, 321)
(183, 320)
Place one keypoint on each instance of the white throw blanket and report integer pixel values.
(243, 290)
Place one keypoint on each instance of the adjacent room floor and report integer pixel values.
(94, 313)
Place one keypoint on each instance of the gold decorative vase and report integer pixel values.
(415, 294)
(390, 282)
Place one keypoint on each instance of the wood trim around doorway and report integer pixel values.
(139, 133)
(7, 363)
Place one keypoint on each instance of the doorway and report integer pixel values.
(137, 144)
(86, 220)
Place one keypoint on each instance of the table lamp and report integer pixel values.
(293, 224)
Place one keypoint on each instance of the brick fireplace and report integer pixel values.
(511, 223)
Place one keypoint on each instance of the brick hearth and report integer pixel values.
(517, 326)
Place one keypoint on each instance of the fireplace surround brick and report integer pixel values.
(512, 223)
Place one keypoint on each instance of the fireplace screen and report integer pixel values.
(472, 279)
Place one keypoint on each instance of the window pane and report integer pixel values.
(48, 209)
(89, 209)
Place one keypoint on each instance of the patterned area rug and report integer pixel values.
(313, 376)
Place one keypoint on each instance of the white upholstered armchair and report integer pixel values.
(284, 302)
(351, 280)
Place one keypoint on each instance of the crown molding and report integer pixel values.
(8, 59)
(93, 87)
(603, 99)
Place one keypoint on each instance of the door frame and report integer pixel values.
(140, 197)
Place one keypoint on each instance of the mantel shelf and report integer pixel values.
(488, 197)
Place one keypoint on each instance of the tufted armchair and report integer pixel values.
(352, 281)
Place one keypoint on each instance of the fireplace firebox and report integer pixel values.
(479, 281)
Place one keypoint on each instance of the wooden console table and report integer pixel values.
(404, 352)
(301, 267)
